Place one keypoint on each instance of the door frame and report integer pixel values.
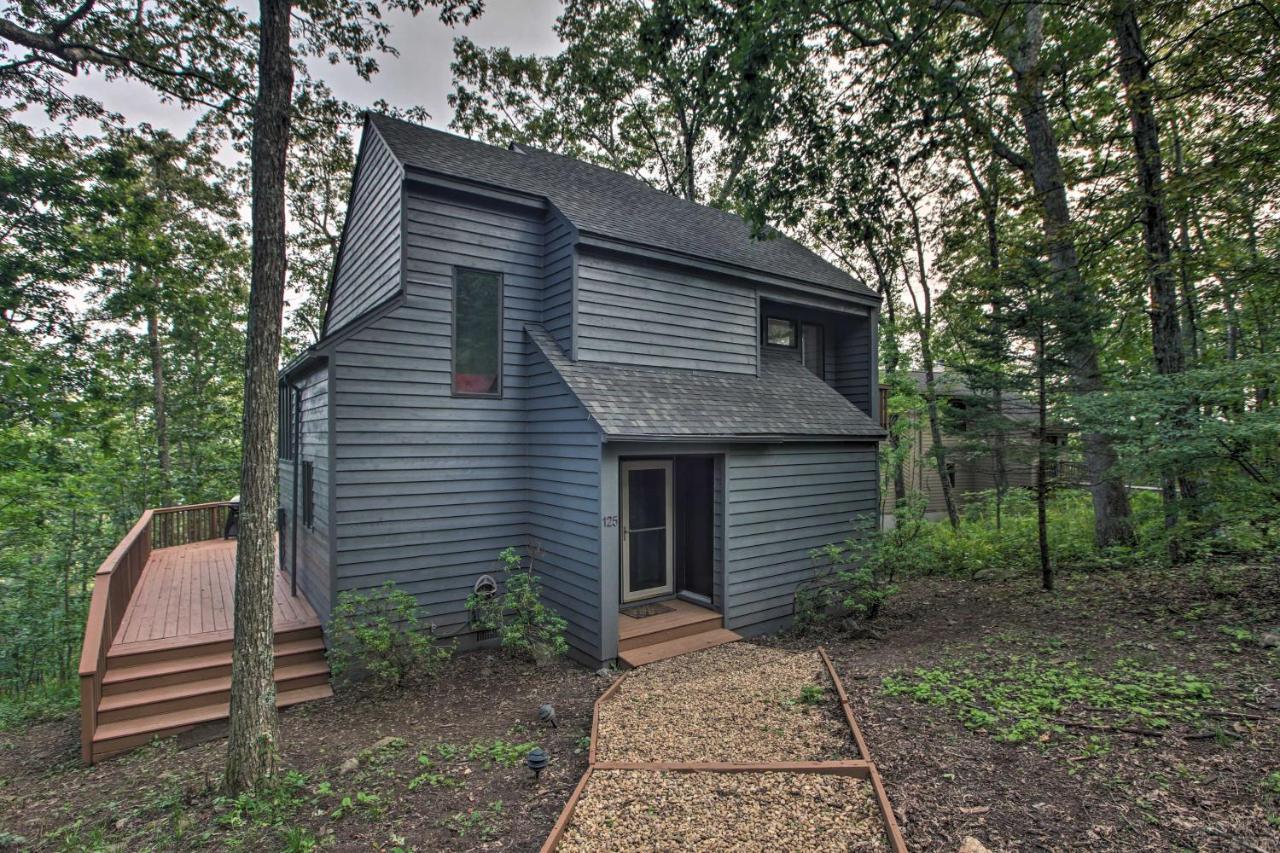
(624, 472)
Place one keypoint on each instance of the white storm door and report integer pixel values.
(648, 543)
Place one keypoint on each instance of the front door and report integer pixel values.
(647, 542)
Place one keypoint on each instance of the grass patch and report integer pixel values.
(1018, 697)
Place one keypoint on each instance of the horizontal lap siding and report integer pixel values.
(313, 543)
(564, 503)
(783, 502)
(431, 487)
(368, 270)
(657, 317)
(557, 297)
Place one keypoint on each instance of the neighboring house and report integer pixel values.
(970, 443)
(521, 349)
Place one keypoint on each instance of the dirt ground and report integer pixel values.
(437, 766)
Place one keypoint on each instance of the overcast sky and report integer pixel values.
(418, 77)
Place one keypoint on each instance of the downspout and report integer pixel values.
(297, 465)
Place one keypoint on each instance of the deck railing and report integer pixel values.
(113, 586)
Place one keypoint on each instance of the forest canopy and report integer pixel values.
(1072, 204)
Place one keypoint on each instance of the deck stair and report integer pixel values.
(161, 689)
(684, 628)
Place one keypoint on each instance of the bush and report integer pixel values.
(528, 627)
(858, 575)
(378, 636)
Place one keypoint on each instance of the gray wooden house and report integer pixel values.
(524, 349)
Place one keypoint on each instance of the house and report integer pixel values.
(521, 349)
(969, 434)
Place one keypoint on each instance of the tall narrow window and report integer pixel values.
(477, 333)
(308, 494)
(285, 421)
(814, 351)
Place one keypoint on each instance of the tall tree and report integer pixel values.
(254, 730)
(1166, 334)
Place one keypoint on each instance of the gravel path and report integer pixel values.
(645, 810)
(738, 702)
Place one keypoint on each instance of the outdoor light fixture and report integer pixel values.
(537, 761)
(547, 714)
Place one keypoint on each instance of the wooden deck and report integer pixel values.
(159, 635)
(186, 596)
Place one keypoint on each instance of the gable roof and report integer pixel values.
(612, 205)
(951, 385)
(784, 401)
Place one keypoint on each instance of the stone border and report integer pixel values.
(863, 768)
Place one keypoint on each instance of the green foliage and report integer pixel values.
(812, 694)
(377, 636)
(528, 627)
(483, 822)
(38, 704)
(498, 751)
(270, 805)
(858, 576)
(1021, 697)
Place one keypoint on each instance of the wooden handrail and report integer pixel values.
(113, 586)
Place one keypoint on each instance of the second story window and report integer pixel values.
(780, 333)
(477, 333)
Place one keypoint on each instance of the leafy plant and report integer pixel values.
(812, 694)
(378, 636)
(527, 626)
(1021, 697)
(857, 578)
(483, 821)
(500, 752)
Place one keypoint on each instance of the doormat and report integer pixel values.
(646, 610)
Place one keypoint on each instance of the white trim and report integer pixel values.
(626, 468)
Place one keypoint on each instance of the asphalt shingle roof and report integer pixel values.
(785, 400)
(610, 204)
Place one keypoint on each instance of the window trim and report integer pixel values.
(453, 332)
(795, 332)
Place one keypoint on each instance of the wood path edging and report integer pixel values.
(862, 768)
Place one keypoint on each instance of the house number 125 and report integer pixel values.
(610, 520)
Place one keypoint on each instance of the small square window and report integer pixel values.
(780, 332)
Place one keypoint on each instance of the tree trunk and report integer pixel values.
(892, 363)
(1111, 515)
(254, 727)
(1042, 486)
(924, 329)
(158, 400)
(1166, 333)
(1191, 328)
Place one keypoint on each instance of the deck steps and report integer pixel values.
(151, 691)
(117, 737)
(681, 627)
(680, 646)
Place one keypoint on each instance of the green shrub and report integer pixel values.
(378, 636)
(858, 575)
(527, 627)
